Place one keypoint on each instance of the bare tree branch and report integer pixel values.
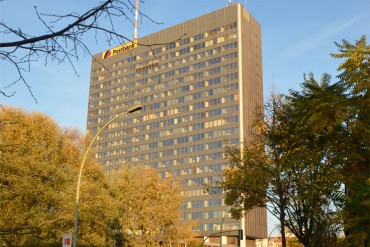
(22, 230)
(27, 230)
(64, 38)
(68, 30)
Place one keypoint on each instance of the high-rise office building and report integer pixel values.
(199, 83)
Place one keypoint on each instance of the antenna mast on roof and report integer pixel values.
(136, 19)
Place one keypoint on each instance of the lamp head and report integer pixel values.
(135, 108)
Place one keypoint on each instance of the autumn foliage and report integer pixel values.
(39, 164)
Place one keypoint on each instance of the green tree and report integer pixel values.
(287, 168)
(39, 166)
(148, 208)
(355, 80)
(305, 147)
(254, 178)
(318, 111)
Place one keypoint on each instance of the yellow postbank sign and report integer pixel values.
(118, 50)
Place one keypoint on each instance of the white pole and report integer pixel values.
(136, 19)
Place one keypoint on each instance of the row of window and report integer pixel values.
(192, 97)
(190, 160)
(201, 74)
(200, 36)
(202, 203)
(174, 141)
(163, 153)
(190, 193)
(199, 169)
(203, 215)
(159, 95)
(175, 101)
(194, 57)
(145, 135)
(180, 109)
(179, 61)
(201, 181)
(169, 142)
(155, 66)
(179, 161)
(191, 67)
(171, 92)
(217, 227)
(164, 112)
(155, 78)
(152, 65)
(198, 46)
(169, 131)
(166, 75)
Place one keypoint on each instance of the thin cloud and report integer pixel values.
(316, 39)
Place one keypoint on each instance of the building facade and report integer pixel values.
(199, 83)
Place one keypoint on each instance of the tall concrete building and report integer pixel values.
(199, 87)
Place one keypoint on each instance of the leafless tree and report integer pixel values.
(65, 38)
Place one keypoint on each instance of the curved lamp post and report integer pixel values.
(131, 110)
(268, 238)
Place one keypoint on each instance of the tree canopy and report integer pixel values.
(354, 78)
(308, 161)
(39, 165)
(283, 170)
(152, 214)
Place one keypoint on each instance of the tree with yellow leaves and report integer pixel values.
(148, 208)
(39, 164)
(38, 172)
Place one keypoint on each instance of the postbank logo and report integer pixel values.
(118, 50)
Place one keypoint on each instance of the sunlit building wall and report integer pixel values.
(199, 83)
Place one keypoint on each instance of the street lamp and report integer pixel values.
(131, 110)
(268, 238)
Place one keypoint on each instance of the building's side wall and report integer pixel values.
(251, 99)
(251, 54)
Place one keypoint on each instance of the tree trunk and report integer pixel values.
(282, 227)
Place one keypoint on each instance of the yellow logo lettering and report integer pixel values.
(119, 49)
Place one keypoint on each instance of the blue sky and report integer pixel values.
(297, 37)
